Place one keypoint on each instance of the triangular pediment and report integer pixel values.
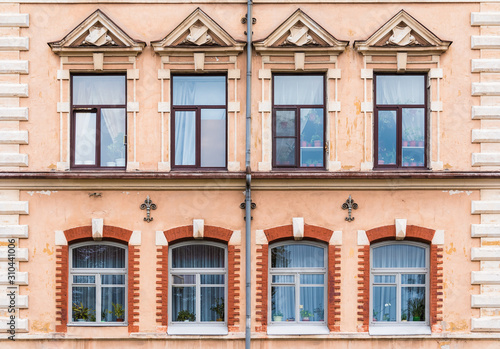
(299, 31)
(402, 33)
(97, 33)
(197, 32)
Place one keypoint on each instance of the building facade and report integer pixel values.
(374, 157)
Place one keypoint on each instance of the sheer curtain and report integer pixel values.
(400, 89)
(298, 89)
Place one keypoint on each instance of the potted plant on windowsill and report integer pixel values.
(305, 315)
(320, 312)
(316, 141)
(278, 316)
(118, 311)
(104, 314)
(80, 312)
(186, 316)
(416, 308)
(218, 308)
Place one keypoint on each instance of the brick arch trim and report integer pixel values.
(311, 232)
(413, 233)
(110, 233)
(185, 233)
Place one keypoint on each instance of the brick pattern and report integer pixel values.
(212, 233)
(162, 287)
(310, 233)
(81, 234)
(413, 233)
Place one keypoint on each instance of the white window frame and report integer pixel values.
(400, 327)
(297, 327)
(97, 272)
(197, 327)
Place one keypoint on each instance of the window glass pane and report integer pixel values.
(312, 279)
(112, 137)
(184, 304)
(198, 256)
(113, 279)
(298, 89)
(212, 304)
(285, 123)
(384, 303)
(412, 279)
(311, 304)
(386, 137)
(285, 151)
(212, 279)
(184, 279)
(283, 303)
(283, 279)
(99, 90)
(113, 304)
(185, 137)
(83, 304)
(311, 137)
(199, 90)
(413, 303)
(297, 256)
(213, 137)
(398, 256)
(400, 89)
(413, 136)
(99, 256)
(85, 142)
(83, 279)
(384, 279)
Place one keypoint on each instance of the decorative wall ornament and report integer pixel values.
(98, 36)
(350, 205)
(299, 36)
(198, 35)
(401, 36)
(148, 206)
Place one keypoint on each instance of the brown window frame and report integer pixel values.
(297, 108)
(97, 109)
(197, 109)
(399, 126)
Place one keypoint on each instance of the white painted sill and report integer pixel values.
(399, 330)
(297, 329)
(197, 329)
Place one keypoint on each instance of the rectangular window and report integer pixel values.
(400, 121)
(298, 121)
(99, 119)
(199, 122)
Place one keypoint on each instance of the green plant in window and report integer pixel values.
(218, 308)
(320, 312)
(104, 315)
(305, 315)
(185, 315)
(416, 307)
(118, 311)
(80, 312)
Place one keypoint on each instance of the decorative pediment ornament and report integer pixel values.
(97, 33)
(299, 30)
(402, 33)
(197, 32)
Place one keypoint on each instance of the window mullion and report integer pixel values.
(398, 297)
(197, 298)
(98, 298)
(297, 297)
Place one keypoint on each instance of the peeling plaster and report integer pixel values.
(42, 192)
(40, 326)
(455, 192)
(451, 249)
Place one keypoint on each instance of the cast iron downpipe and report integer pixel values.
(248, 194)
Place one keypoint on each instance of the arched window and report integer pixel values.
(399, 282)
(98, 283)
(198, 287)
(297, 287)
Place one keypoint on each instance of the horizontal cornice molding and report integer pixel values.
(376, 180)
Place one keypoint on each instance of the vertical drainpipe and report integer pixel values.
(248, 194)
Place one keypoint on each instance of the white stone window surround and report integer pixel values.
(197, 327)
(400, 328)
(97, 272)
(297, 327)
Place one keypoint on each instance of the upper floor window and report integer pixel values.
(198, 288)
(98, 124)
(199, 121)
(97, 283)
(297, 288)
(400, 121)
(298, 121)
(399, 285)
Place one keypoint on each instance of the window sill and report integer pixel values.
(297, 329)
(95, 324)
(399, 330)
(197, 329)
